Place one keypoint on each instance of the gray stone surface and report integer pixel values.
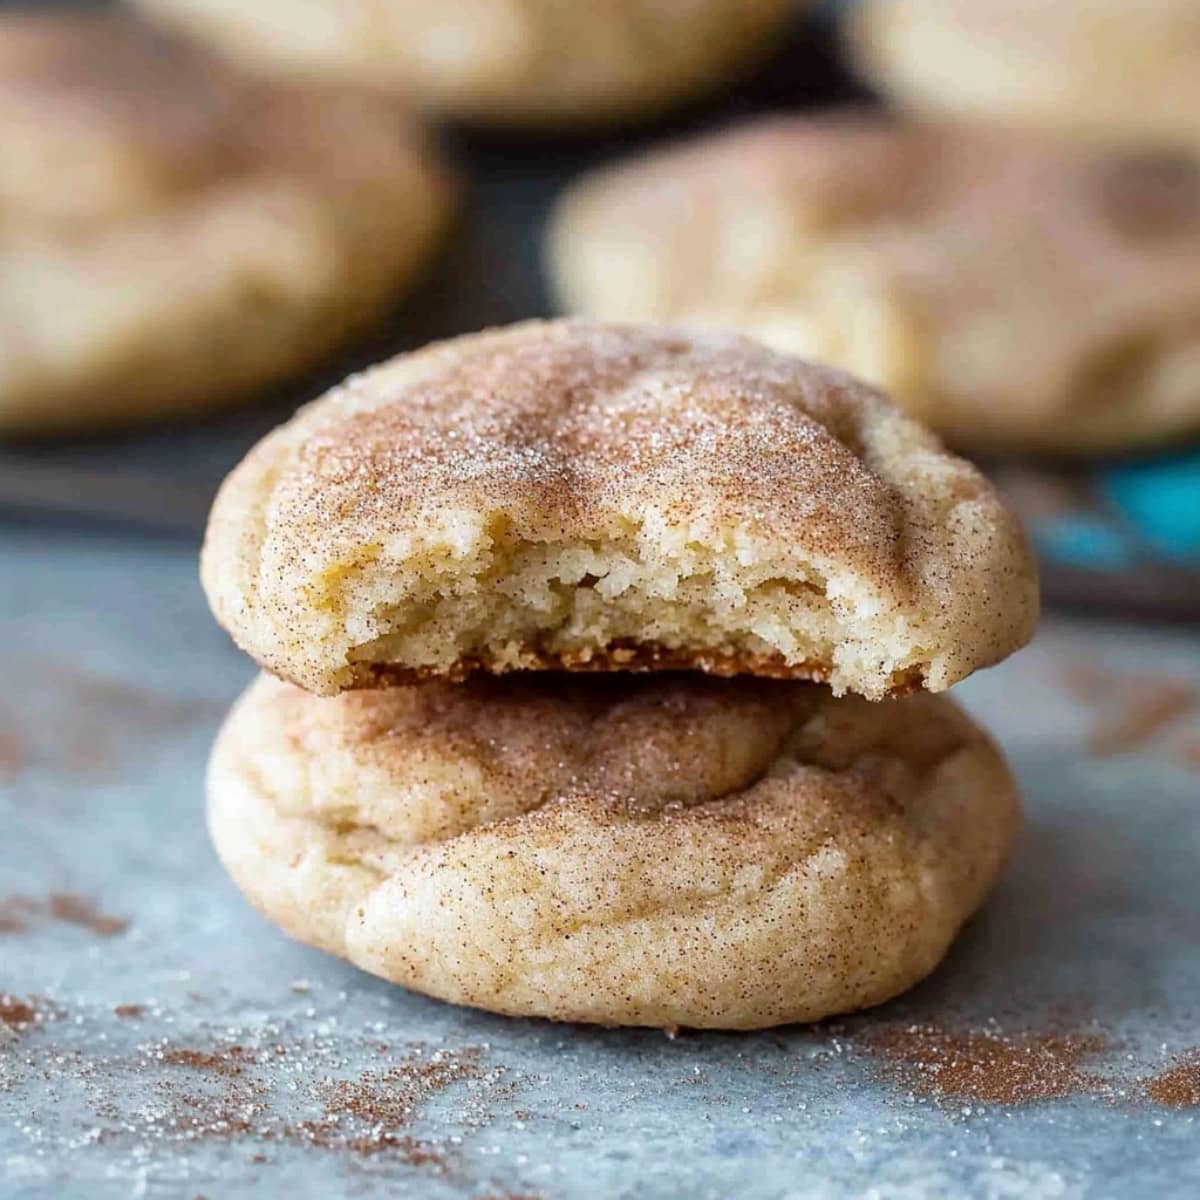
(114, 682)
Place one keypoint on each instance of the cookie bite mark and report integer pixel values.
(584, 496)
(619, 656)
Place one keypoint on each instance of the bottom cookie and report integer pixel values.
(661, 850)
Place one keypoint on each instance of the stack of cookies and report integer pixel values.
(600, 670)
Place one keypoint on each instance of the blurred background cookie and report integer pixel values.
(175, 234)
(1119, 70)
(1012, 290)
(526, 63)
(665, 850)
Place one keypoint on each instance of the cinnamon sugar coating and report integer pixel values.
(175, 233)
(1106, 69)
(645, 850)
(523, 63)
(570, 494)
(1008, 288)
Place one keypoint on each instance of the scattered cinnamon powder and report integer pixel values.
(16, 1013)
(76, 910)
(289, 1091)
(18, 912)
(1134, 708)
(91, 749)
(14, 754)
(364, 1115)
(15, 912)
(1144, 716)
(1189, 752)
(988, 1066)
(390, 1097)
(1178, 1087)
(77, 721)
(226, 1063)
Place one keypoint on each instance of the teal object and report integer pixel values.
(1161, 500)
(112, 1097)
(1084, 540)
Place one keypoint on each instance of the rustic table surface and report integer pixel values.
(157, 1038)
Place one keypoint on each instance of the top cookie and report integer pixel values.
(1112, 69)
(175, 233)
(500, 62)
(1011, 290)
(595, 497)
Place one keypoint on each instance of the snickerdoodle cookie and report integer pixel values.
(597, 497)
(174, 233)
(1126, 70)
(503, 62)
(1008, 289)
(633, 850)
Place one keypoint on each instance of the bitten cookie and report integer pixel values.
(1110, 69)
(632, 850)
(1010, 290)
(598, 497)
(524, 63)
(175, 234)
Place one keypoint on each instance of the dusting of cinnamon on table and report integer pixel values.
(1133, 709)
(77, 910)
(16, 1013)
(1179, 1085)
(987, 1066)
(17, 913)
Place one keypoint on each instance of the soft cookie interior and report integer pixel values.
(593, 497)
(646, 596)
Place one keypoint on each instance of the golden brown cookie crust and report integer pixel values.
(665, 850)
(551, 491)
(632, 657)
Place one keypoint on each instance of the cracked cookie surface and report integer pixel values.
(176, 233)
(585, 496)
(649, 850)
